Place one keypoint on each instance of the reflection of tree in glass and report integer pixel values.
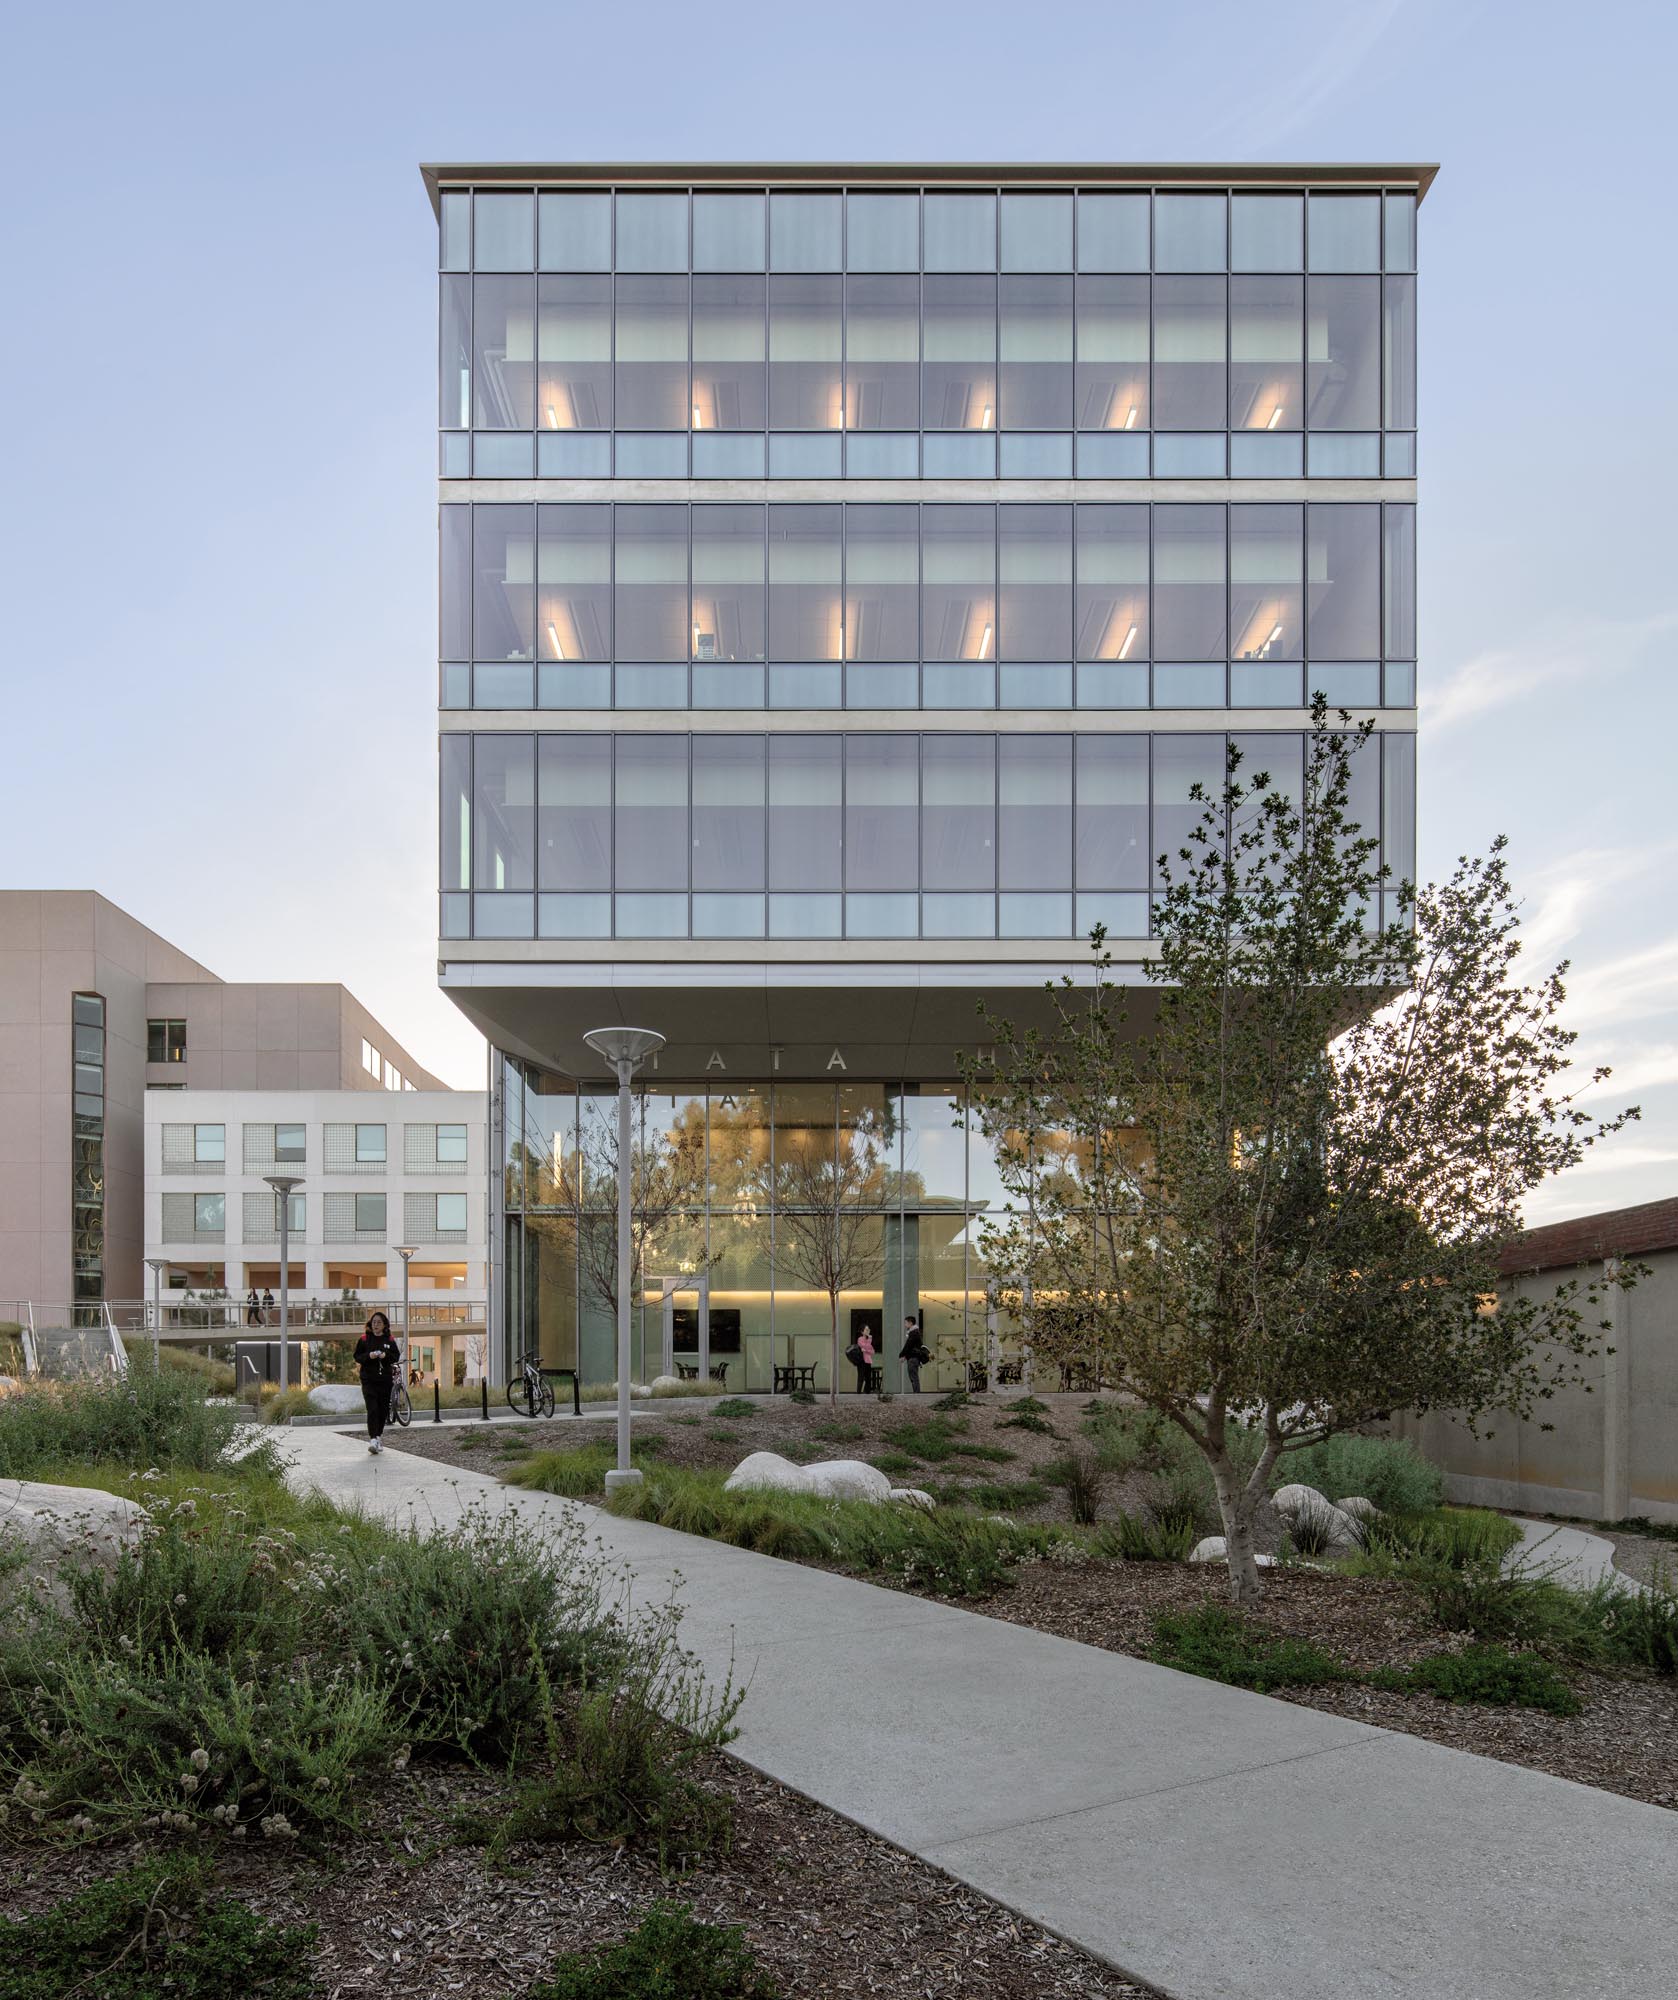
(666, 1177)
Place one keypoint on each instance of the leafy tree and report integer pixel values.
(1275, 1211)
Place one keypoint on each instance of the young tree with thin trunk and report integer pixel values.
(1277, 1211)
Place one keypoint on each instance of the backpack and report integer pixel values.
(853, 1354)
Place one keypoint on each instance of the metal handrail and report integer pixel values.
(119, 1353)
(31, 1346)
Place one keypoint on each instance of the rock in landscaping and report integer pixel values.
(1300, 1505)
(666, 1382)
(912, 1496)
(1215, 1549)
(336, 1399)
(1358, 1508)
(829, 1479)
(60, 1525)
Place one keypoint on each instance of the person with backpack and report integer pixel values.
(913, 1352)
(378, 1355)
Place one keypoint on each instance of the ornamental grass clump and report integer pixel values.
(144, 1419)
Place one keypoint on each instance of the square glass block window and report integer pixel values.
(451, 1145)
(652, 232)
(883, 232)
(960, 232)
(1343, 232)
(806, 232)
(504, 236)
(1037, 232)
(370, 1145)
(289, 1142)
(451, 1213)
(574, 232)
(454, 237)
(1113, 232)
(1189, 232)
(1266, 232)
(728, 232)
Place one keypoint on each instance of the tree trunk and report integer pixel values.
(833, 1372)
(1237, 1504)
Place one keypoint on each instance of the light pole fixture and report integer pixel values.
(406, 1252)
(157, 1266)
(626, 1049)
(283, 1184)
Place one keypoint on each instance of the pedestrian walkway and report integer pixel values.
(1215, 1844)
(1548, 1548)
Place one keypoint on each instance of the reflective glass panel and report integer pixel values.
(1189, 350)
(574, 822)
(504, 812)
(454, 815)
(806, 798)
(728, 232)
(1400, 592)
(1113, 232)
(1266, 604)
(650, 594)
(1112, 594)
(651, 348)
(1401, 232)
(1113, 344)
(728, 352)
(454, 242)
(1189, 583)
(652, 232)
(1344, 232)
(503, 349)
(883, 232)
(806, 608)
(1266, 354)
(1036, 354)
(728, 610)
(1266, 232)
(1111, 822)
(574, 583)
(1034, 812)
(806, 345)
(958, 812)
(1189, 232)
(1036, 232)
(805, 232)
(1343, 571)
(728, 813)
(1398, 815)
(881, 793)
(454, 566)
(650, 812)
(882, 583)
(574, 232)
(1035, 579)
(503, 562)
(958, 318)
(960, 232)
(958, 588)
(454, 354)
(1398, 399)
(1343, 353)
(574, 354)
(1181, 763)
(503, 239)
(882, 353)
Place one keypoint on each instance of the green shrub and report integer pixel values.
(1026, 1413)
(934, 1439)
(145, 1419)
(953, 1399)
(838, 1430)
(1608, 1625)
(156, 1930)
(803, 1395)
(1175, 1481)
(670, 1955)
(214, 1378)
(1219, 1645)
(1134, 1538)
(736, 1406)
(1083, 1478)
(995, 1497)
(893, 1463)
(1489, 1675)
(1449, 1537)
(579, 1473)
(1390, 1472)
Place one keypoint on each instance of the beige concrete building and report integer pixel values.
(95, 1009)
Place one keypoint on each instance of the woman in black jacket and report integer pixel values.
(377, 1355)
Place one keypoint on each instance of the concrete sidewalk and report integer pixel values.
(1216, 1844)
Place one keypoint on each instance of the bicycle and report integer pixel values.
(401, 1406)
(527, 1392)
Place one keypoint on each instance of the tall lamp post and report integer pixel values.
(157, 1266)
(626, 1049)
(283, 1184)
(406, 1252)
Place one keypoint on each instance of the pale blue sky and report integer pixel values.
(218, 534)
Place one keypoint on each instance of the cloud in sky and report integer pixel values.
(1598, 649)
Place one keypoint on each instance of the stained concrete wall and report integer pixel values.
(1612, 1449)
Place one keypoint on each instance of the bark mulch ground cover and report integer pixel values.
(407, 1913)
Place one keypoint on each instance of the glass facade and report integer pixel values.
(739, 1170)
(842, 835)
(87, 1149)
(927, 333)
(576, 605)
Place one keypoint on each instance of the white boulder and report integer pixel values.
(829, 1479)
(1305, 1507)
(665, 1383)
(336, 1399)
(913, 1496)
(1358, 1508)
(1215, 1549)
(61, 1525)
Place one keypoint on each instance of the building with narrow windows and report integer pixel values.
(846, 572)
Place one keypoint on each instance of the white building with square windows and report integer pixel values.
(374, 1173)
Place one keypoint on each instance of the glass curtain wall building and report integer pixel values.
(845, 573)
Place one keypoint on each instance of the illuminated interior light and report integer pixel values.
(1275, 418)
(984, 421)
(1130, 418)
(553, 640)
(1274, 636)
(984, 642)
(1129, 641)
(553, 418)
(697, 421)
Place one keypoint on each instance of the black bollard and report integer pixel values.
(436, 1402)
(484, 1386)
